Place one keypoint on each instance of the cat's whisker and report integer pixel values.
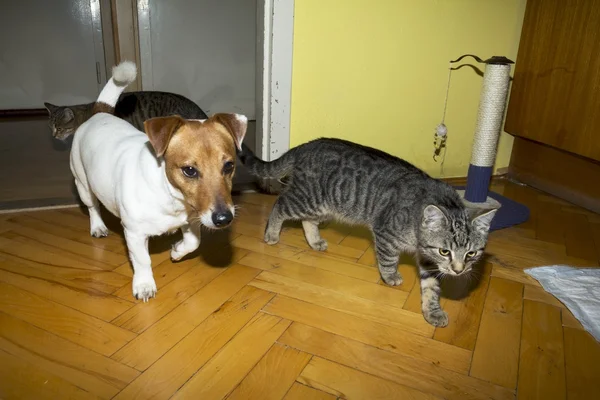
(469, 279)
(441, 275)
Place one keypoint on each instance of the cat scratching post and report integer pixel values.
(492, 105)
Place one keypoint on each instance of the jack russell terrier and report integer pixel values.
(176, 176)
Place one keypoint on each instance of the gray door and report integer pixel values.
(49, 51)
(204, 50)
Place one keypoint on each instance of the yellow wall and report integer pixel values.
(375, 72)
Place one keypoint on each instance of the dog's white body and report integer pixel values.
(119, 166)
(113, 162)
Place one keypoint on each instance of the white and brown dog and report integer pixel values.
(177, 175)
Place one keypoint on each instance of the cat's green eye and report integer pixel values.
(444, 252)
(471, 254)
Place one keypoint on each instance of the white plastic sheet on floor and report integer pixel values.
(576, 288)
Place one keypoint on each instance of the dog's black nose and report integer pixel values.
(222, 218)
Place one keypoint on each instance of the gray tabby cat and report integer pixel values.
(133, 107)
(406, 210)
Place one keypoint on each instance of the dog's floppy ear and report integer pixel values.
(236, 124)
(160, 130)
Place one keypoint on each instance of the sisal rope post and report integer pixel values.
(492, 105)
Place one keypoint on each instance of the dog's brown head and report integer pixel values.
(200, 161)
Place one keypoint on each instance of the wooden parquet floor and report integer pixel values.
(244, 320)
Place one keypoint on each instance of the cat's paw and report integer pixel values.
(319, 245)
(437, 318)
(271, 238)
(394, 279)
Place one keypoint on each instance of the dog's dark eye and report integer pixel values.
(228, 167)
(190, 172)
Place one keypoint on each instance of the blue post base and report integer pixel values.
(478, 182)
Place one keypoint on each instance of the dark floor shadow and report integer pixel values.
(408, 259)
(215, 245)
(162, 243)
(215, 248)
(291, 224)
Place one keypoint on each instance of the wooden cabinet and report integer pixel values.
(555, 96)
(554, 106)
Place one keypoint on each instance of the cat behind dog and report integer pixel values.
(405, 209)
(133, 107)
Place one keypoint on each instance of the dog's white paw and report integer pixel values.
(144, 287)
(178, 251)
(182, 249)
(176, 255)
(99, 231)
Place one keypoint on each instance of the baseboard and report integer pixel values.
(565, 175)
(9, 207)
(238, 188)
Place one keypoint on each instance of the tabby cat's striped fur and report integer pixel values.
(133, 107)
(407, 210)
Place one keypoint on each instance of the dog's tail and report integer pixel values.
(123, 75)
(282, 167)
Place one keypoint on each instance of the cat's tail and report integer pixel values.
(277, 169)
(122, 75)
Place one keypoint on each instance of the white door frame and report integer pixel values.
(145, 44)
(274, 48)
(97, 34)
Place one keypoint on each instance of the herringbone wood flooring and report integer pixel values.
(243, 320)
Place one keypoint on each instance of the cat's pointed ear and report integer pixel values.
(236, 125)
(482, 222)
(160, 130)
(434, 219)
(68, 115)
(50, 107)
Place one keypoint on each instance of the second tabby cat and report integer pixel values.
(133, 107)
(406, 210)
